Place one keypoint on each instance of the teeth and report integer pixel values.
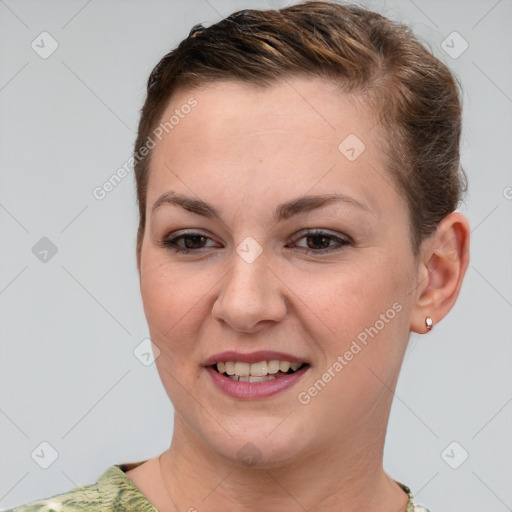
(259, 369)
(255, 370)
(250, 378)
(230, 368)
(242, 369)
(273, 366)
(284, 366)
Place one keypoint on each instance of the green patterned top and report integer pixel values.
(115, 492)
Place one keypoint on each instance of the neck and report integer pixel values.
(347, 475)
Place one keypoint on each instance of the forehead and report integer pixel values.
(301, 105)
(292, 136)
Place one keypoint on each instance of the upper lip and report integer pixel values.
(252, 357)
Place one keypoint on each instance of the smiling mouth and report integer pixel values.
(256, 372)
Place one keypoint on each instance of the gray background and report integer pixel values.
(69, 325)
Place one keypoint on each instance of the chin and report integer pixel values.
(265, 444)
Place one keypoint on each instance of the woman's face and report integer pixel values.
(255, 284)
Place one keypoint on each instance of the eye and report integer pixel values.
(319, 241)
(192, 241)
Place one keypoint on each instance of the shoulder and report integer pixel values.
(113, 491)
(412, 506)
(418, 508)
(81, 498)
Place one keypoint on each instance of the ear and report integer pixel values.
(443, 261)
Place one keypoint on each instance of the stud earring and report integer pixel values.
(429, 323)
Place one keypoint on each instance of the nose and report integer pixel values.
(251, 296)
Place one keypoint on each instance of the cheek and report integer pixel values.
(176, 302)
(157, 291)
(363, 357)
(355, 295)
(166, 297)
(365, 307)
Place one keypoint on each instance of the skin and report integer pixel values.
(246, 150)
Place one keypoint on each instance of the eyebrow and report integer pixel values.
(283, 211)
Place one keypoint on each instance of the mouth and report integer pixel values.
(260, 371)
(256, 375)
(255, 380)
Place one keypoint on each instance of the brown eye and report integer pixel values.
(193, 241)
(186, 242)
(319, 241)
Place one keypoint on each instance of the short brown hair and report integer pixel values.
(413, 94)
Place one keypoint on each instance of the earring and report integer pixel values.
(429, 323)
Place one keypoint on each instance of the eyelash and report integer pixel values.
(170, 243)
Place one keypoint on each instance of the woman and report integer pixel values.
(297, 177)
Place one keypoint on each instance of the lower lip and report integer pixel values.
(255, 390)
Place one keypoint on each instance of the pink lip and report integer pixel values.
(255, 390)
(252, 357)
